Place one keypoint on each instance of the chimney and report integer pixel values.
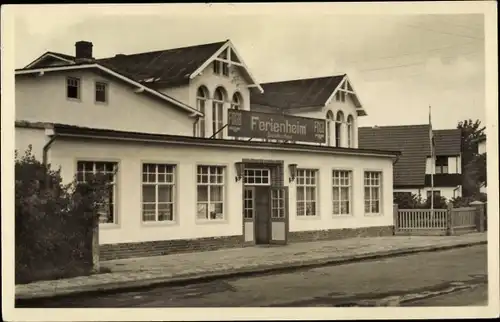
(83, 51)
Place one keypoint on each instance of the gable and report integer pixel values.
(228, 54)
(51, 59)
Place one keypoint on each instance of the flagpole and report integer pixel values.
(433, 162)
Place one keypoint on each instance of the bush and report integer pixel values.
(465, 201)
(53, 222)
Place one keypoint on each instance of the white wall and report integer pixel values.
(130, 156)
(26, 136)
(43, 99)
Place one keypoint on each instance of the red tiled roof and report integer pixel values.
(311, 92)
(166, 67)
(414, 144)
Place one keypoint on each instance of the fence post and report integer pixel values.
(449, 220)
(395, 213)
(480, 218)
(96, 267)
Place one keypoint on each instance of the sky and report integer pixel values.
(399, 65)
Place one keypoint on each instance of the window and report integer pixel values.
(73, 87)
(210, 187)
(221, 68)
(201, 100)
(441, 164)
(329, 122)
(217, 112)
(342, 92)
(257, 177)
(338, 128)
(87, 169)
(248, 203)
(236, 102)
(306, 192)
(372, 192)
(158, 192)
(101, 92)
(350, 133)
(277, 203)
(437, 194)
(341, 188)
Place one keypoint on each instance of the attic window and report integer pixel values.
(73, 88)
(101, 92)
(221, 68)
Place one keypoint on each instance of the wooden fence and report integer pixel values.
(450, 221)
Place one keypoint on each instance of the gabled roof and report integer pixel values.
(51, 55)
(139, 87)
(164, 68)
(448, 142)
(300, 93)
(414, 143)
(169, 67)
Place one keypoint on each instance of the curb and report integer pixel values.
(197, 278)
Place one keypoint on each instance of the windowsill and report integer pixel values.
(211, 221)
(76, 100)
(316, 217)
(158, 223)
(378, 214)
(109, 226)
(342, 216)
(101, 103)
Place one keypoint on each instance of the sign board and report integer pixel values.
(275, 126)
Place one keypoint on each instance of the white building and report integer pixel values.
(181, 182)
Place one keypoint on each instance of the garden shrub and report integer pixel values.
(53, 221)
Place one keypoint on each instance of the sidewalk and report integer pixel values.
(189, 267)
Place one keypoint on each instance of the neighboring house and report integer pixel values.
(412, 172)
(481, 149)
(180, 179)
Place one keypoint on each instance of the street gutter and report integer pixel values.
(183, 279)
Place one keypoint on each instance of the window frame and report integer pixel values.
(298, 185)
(106, 92)
(440, 167)
(78, 88)
(208, 202)
(201, 124)
(349, 186)
(173, 185)
(437, 193)
(379, 186)
(115, 195)
(218, 112)
(254, 176)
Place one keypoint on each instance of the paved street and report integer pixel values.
(325, 286)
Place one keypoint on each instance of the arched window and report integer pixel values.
(237, 101)
(218, 111)
(329, 121)
(350, 131)
(338, 128)
(201, 101)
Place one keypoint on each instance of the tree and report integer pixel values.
(471, 131)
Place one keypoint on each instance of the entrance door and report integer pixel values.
(262, 215)
(279, 215)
